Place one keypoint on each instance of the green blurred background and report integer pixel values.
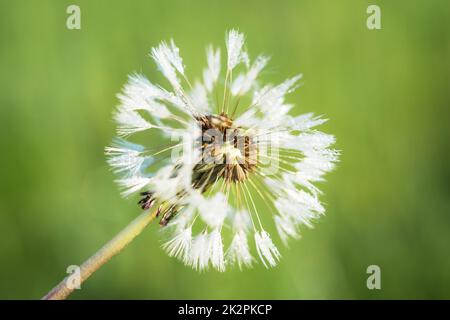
(385, 91)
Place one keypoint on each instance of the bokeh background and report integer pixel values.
(385, 91)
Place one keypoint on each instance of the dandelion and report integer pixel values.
(232, 173)
(233, 161)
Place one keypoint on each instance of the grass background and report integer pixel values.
(386, 93)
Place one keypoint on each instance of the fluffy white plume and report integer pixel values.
(167, 57)
(239, 252)
(267, 251)
(217, 257)
(199, 97)
(201, 252)
(236, 54)
(129, 122)
(133, 184)
(211, 73)
(286, 228)
(125, 157)
(212, 210)
(244, 82)
(180, 245)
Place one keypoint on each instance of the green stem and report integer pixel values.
(109, 250)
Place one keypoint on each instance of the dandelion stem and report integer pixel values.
(109, 250)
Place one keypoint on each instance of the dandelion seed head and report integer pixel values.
(232, 160)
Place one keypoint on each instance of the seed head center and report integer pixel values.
(227, 152)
